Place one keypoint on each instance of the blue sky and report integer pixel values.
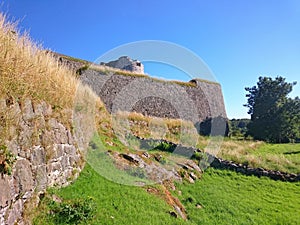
(239, 40)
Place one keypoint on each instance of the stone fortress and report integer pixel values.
(126, 63)
(127, 88)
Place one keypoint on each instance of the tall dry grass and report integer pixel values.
(174, 130)
(29, 72)
(26, 71)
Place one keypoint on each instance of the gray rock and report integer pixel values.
(23, 176)
(38, 156)
(15, 213)
(193, 176)
(27, 110)
(41, 178)
(5, 192)
(44, 156)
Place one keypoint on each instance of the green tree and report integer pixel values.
(274, 116)
(291, 116)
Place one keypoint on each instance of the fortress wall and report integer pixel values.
(197, 100)
(194, 101)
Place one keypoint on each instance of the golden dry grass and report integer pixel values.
(174, 130)
(26, 71)
(29, 72)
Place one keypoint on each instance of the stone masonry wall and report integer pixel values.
(196, 101)
(46, 156)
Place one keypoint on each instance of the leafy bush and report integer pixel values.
(7, 160)
(73, 211)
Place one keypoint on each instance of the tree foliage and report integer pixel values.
(238, 128)
(274, 116)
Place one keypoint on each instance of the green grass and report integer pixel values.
(282, 157)
(230, 198)
(115, 203)
(226, 198)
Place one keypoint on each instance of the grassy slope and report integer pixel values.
(283, 157)
(116, 203)
(231, 198)
(226, 198)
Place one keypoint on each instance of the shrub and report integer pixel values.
(7, 160)
(73, 211)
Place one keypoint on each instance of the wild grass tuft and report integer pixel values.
(29, 72)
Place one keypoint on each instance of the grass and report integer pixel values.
(282, 157)
(115, 203)
(28, 72)
(175, 130)
(220, 197)
(225, 197)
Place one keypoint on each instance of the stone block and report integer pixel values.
(38, 156)
(41, 178)
(5, 192)
(23, 176)
(27, 110)
(15, 213)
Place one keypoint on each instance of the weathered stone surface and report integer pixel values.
(15, 213)
(194, 102)
(46, 156)
(41, 178)
(38, 156)
(126, 63)
(244, 169)
(193, 176)
(5, 192)
(27, 109)
(23, 176)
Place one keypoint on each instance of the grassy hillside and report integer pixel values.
(221, 197)
(282, 157)
(225, 197)
(115, 203)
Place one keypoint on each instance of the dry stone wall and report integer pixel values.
(46, 155)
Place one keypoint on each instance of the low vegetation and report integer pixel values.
(28, 72)
(7, 160)
(220, 197)
(225, 197)
(115, 203)
(282, 157)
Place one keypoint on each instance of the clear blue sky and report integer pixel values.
(239, 40)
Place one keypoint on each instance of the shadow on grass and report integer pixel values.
(291, 153)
